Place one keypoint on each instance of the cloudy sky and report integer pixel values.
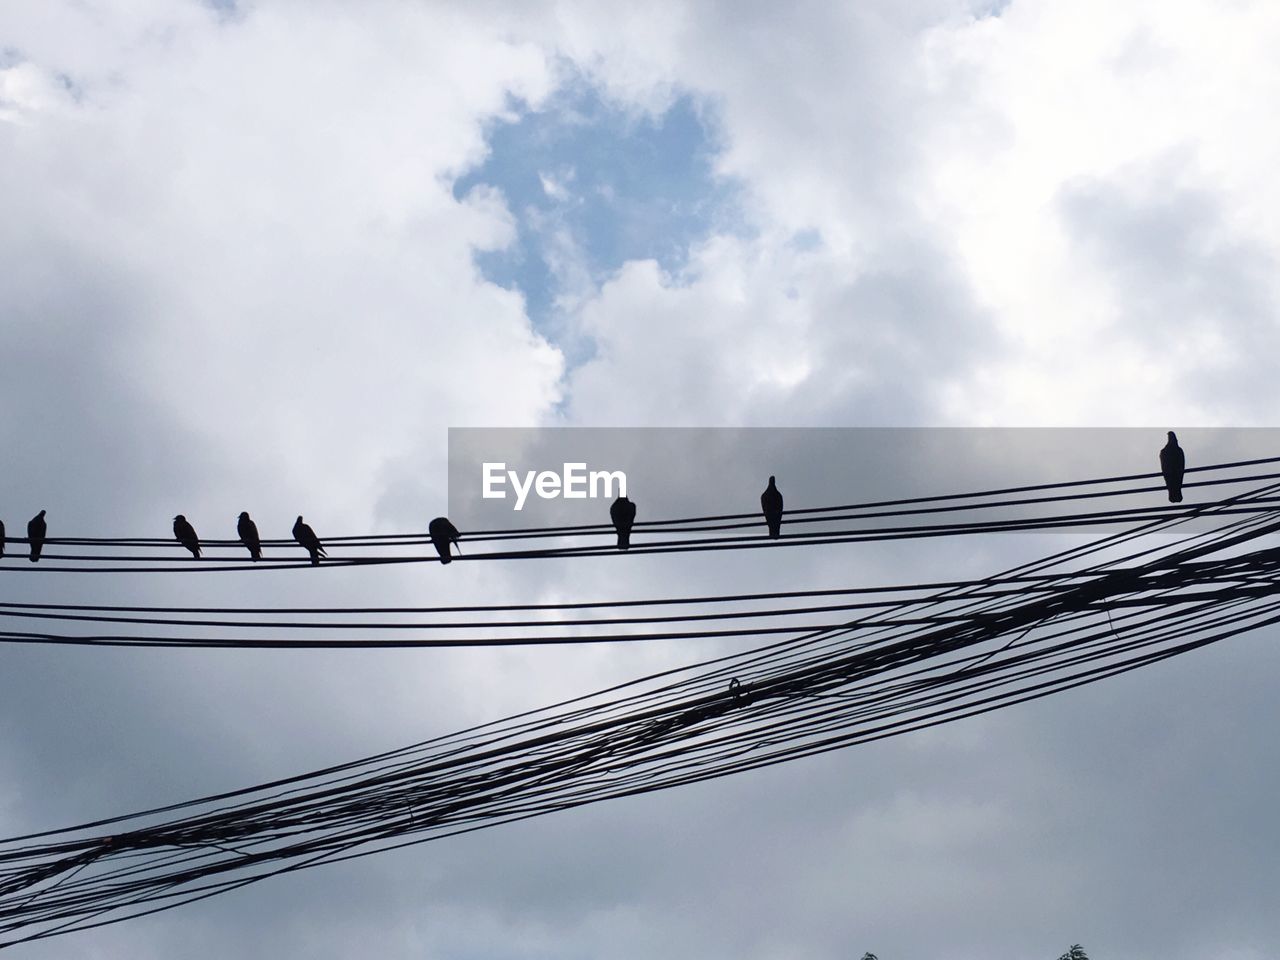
(263, 254)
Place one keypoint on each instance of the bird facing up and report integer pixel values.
(1, 538)
(623, 515)
(36, 531)
(443, 533)
(186, 534)
(248, 531)
(771, 504)
(303, 533)
(1173, 463)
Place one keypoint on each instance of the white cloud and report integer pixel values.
(554, 186)
(270, 201)
(941, 147)
(234, 269)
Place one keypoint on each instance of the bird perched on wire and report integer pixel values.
(1173, 463)
(771, 504)
(36, 531)
(1, 538)
(248, 531)
(303, 533)
(623, 515)
(443, 533)
(186, 534)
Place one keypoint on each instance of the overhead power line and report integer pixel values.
(971, 513)
(1097, 610)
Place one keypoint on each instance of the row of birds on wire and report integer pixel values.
(445, 536)
(442, 533)
(737, 616)
(1121, 602)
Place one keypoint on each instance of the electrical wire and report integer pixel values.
(806, 526)
(1096, 610)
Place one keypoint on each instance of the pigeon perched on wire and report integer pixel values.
(623, 515)
(771, 504)
(1173, 463)
(443, 533)
(248, 531)
(303, 533)
(36, 531)
(186, 534)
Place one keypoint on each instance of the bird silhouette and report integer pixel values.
(771, 504)
(186, 534)
(1173, 463)
(623, 515)
(443, 533)
(36, 530)
(248, 531)
(1, 538)
(303, 533)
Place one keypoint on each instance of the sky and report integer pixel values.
(264, 254)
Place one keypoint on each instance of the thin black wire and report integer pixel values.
(511, 607)
(206, 564)
(99, 563)
(793, 515)
(680, 730)
(38, 611)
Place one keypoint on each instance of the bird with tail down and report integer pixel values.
(623, 515)
(37, 529)
(186, 535)
(443, 533)
(248, 531)
(1173, 464)
(771, 504)
(303, 533)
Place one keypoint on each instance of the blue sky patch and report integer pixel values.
(592, 186)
